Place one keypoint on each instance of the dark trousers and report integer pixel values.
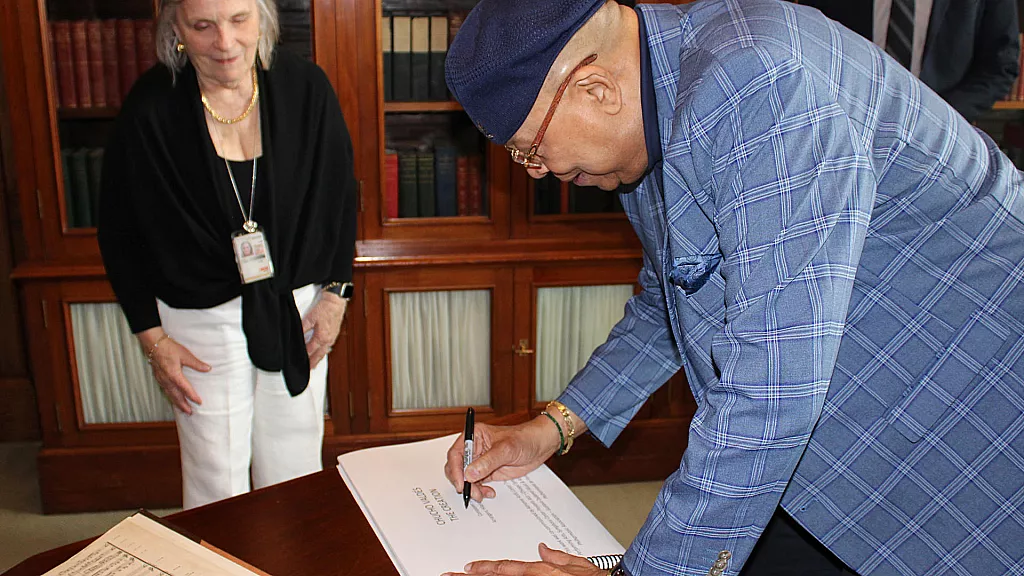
(786, 549)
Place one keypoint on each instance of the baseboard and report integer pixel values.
(19, 413)
(96, 479)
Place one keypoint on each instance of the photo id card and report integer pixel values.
(252, 256)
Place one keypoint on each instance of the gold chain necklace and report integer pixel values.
(252, 103)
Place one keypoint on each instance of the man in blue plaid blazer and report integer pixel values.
(833, 255)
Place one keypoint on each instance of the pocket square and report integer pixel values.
(691, 272)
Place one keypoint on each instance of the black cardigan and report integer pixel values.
(167, 210)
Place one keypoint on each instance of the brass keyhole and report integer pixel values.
(522, 349)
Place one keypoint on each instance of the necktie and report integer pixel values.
(899, 41)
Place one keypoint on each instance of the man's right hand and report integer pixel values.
(502, 453)
(167, 361)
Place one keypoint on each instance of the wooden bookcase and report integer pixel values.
(494, 270)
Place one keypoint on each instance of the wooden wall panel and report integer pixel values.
(19, 418)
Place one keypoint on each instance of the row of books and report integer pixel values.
(414, 49)
(1017, 90)
(82, 170)
(97, 61)
(438, 182)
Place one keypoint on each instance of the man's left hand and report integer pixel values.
(553, 563)
(324, 319)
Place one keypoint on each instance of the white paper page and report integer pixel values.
(139, 546)
(419, 516)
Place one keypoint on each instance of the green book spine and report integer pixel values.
(69, 195)
(94, 164)
(420, 58)
(408, 196)
(401, 66)
(79, 165)
(425, 183)
(438, 51)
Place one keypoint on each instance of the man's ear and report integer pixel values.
(601, 88)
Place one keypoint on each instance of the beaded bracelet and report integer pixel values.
(561, 437)
(569, 426)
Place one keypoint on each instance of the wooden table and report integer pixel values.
(304, 527)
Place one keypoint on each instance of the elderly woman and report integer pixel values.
(227, 226)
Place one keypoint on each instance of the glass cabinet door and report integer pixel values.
(437, 340)
(554, 197)
(115, 382)
(440, 349)
(438, 170)
(97, 50)
(572, 321)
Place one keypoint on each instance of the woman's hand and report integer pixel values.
(552, 563)
(324, 319)
(167, 360)
(501, 453)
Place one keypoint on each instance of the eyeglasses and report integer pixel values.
(529, 159)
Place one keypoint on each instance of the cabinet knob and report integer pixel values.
(522, 349)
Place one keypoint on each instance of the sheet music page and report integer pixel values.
(420, 519)
(139, 546)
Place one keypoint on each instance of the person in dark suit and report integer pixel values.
(966, 51)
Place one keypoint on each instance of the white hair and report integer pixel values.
(166, 40)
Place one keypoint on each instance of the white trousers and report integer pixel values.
(248, 422)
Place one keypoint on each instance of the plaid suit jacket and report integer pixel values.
(836, 259)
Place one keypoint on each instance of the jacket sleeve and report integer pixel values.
(639, 356)
(122, 246)
(792, 193)
(994, 64)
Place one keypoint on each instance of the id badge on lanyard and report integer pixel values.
(249, 245)
(252, 254)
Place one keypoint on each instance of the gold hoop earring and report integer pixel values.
(180, 47)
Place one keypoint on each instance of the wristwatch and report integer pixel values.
(343, 289)
(618, 570)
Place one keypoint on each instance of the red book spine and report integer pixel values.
(144, 46)
(126, 63)
(80, 54)
(94, 43)
(462, 185)
(391, 184)
(111, 75)
(64, 64)
(475, 200)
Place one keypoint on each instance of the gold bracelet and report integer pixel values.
(570, 428)
(152, 349)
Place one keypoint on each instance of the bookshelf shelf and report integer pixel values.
(1009, 105)
(418, 107)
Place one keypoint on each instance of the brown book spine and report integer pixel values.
(111, 75)
(94, 42)
(455, 19)
(64, 64)
(80, 54)
(126, 62)
(391, 184)
(462, 185)
(1019, 92)
(53, 62)
(475, 188)
(144, 45)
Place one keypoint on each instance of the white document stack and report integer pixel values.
(420, 519)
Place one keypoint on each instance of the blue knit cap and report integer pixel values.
(498, 61)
